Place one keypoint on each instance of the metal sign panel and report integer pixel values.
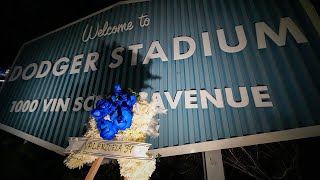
(223, 68)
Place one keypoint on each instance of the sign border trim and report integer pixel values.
(277, 136)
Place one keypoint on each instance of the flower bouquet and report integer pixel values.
(124, 117)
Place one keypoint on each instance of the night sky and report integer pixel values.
(22, 21)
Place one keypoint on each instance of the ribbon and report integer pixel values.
(109, 149)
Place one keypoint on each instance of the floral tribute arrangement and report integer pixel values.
(123, 116)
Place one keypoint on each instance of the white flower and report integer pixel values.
(143, 124)
(135, 169)
(77, 160)
(93, 132)
(143, 95)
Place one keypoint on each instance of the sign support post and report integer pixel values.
(213, 165)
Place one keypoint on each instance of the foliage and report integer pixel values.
(266, 161)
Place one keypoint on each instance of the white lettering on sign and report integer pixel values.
(56, 105)
(96, 31)
(259, 97)
(156, 51)
(59, 68)
(286, 24)
(24, 106)
(192, 99)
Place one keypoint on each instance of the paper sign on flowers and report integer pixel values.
(119, 126)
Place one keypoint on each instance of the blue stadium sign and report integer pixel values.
(230, 73)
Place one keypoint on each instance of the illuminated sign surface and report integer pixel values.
(223, 69)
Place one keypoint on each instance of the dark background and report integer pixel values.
(290, 160)
(24, 20)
